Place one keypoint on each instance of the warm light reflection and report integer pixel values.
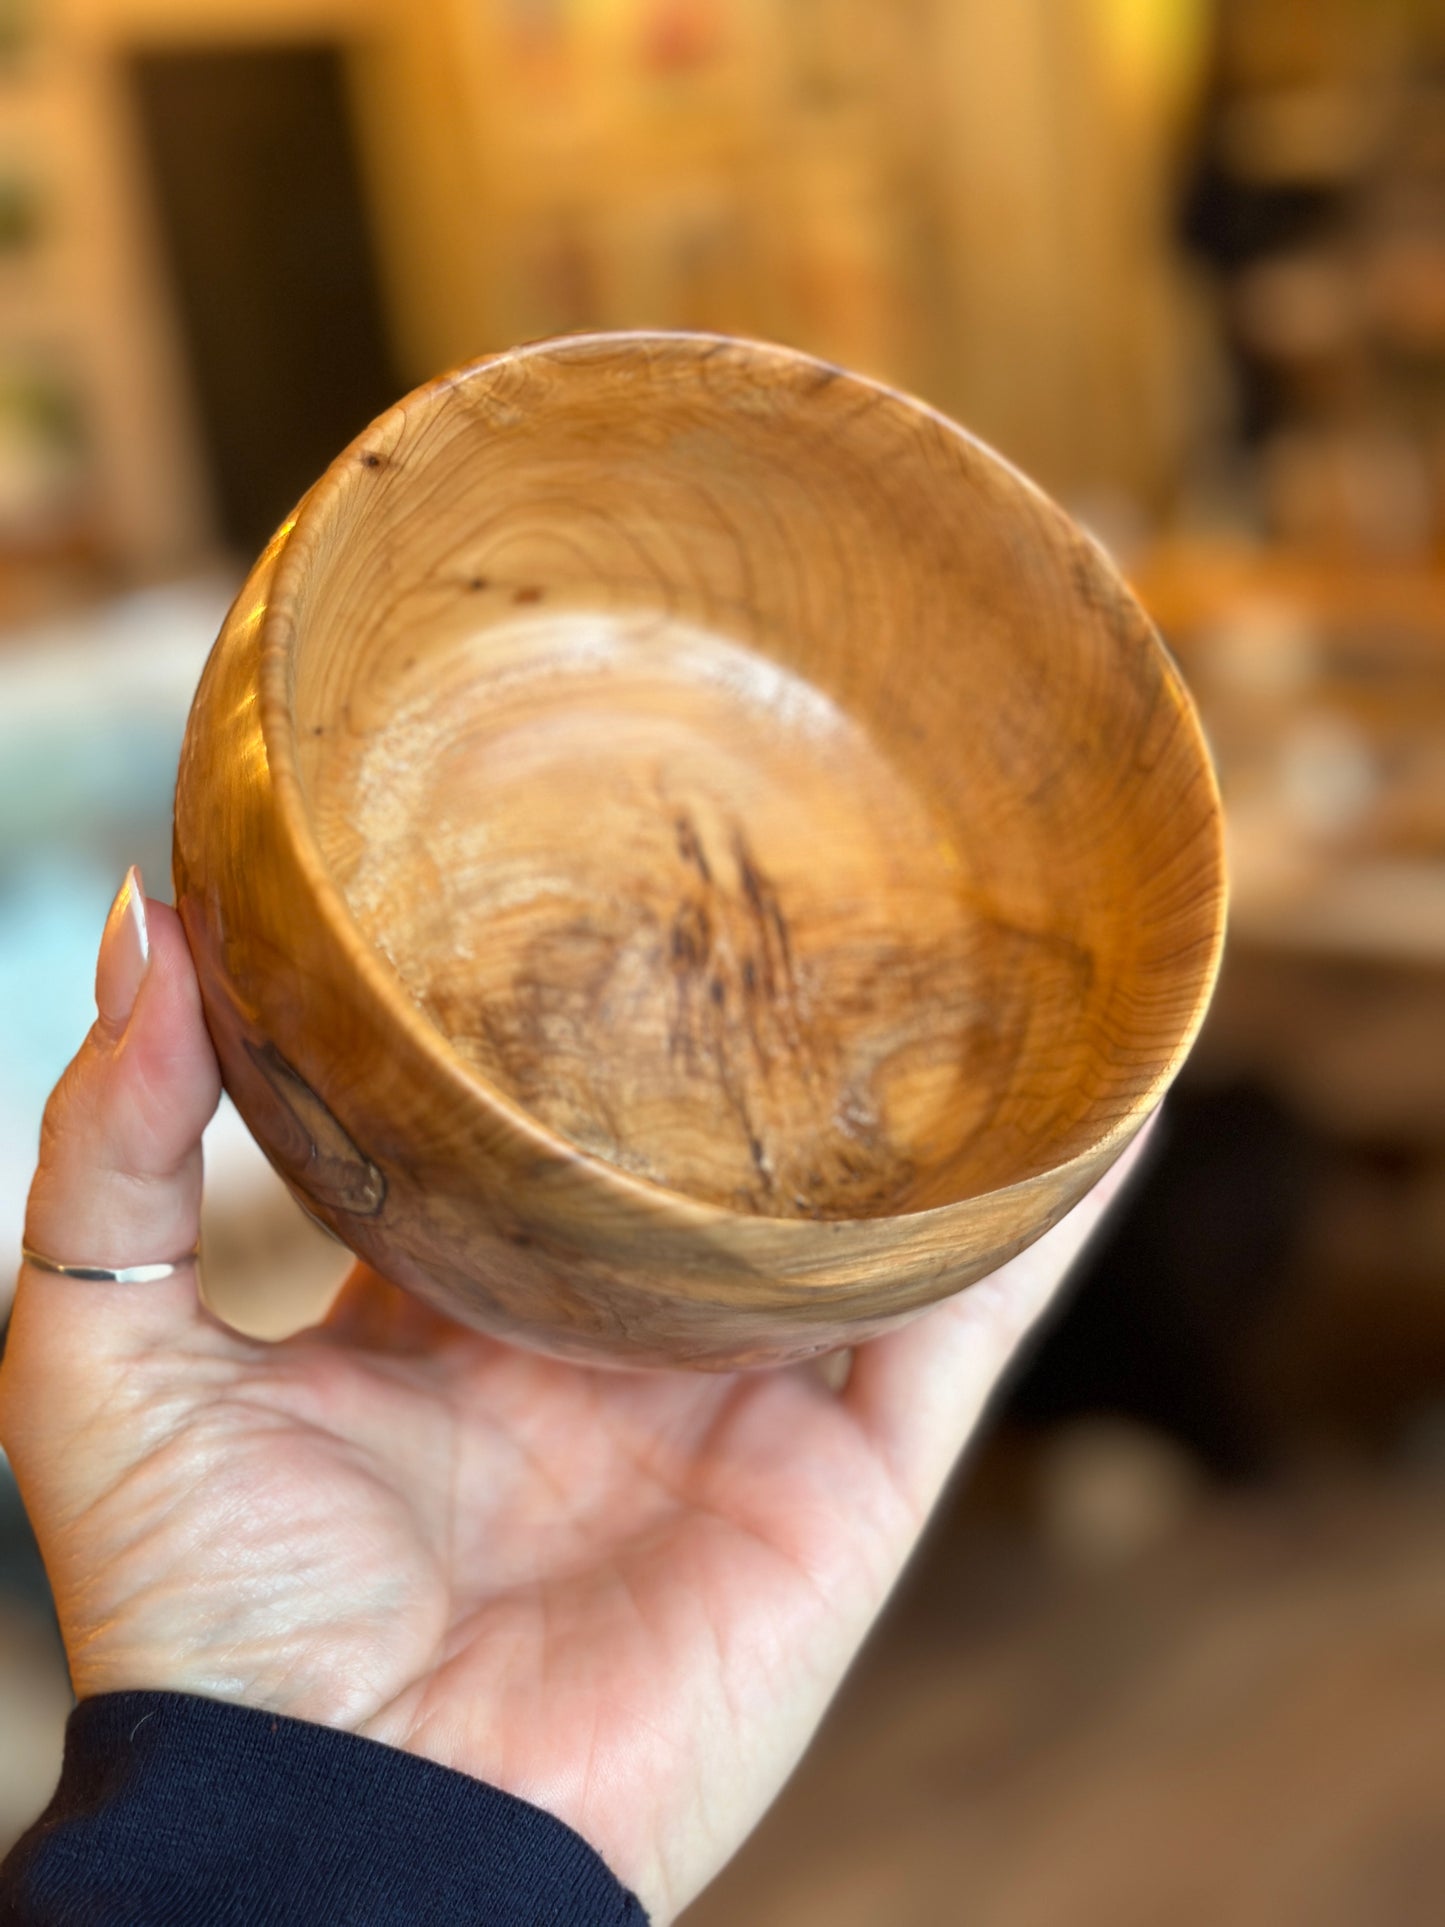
(274, 546)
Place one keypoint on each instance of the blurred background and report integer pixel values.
(1175, 1650)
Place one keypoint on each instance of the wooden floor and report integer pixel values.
(1243, 1726)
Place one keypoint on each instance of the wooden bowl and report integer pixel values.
(690, 858)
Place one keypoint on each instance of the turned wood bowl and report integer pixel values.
(690, 858)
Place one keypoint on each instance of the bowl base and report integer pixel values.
(674, 902)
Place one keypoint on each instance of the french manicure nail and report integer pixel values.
(125, 952)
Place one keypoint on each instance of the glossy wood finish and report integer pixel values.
(690, 857)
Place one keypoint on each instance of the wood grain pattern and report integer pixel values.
(727, 857)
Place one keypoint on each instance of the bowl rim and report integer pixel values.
(290, 556)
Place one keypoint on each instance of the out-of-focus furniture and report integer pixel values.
(1323, 691)
(950, 196)
(86, 327)
(1322, 686)
(1320, 196)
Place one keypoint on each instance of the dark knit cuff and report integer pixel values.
(177, 1809)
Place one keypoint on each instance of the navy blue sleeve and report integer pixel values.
(175, 1809)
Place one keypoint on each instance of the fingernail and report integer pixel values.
(125, 952)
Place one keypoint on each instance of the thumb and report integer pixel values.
(119, 1179)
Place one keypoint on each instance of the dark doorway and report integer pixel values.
(264, 221)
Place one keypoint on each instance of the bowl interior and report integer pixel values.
(750, 777)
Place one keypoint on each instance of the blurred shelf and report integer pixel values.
(1322, 688)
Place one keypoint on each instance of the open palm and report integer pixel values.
(625, 1597)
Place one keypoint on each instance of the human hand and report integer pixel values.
(625, 1597)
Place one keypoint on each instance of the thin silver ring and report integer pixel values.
(105, 1274)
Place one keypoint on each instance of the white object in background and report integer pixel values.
(92, 711)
